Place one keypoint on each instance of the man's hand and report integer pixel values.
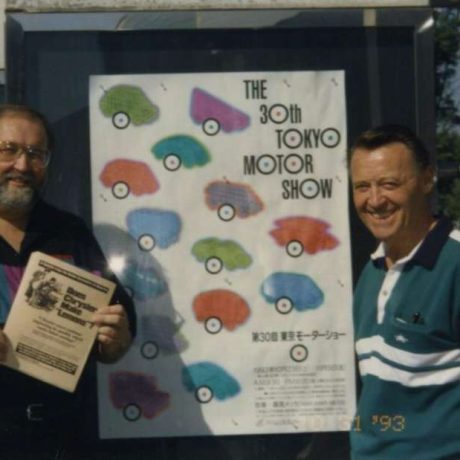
(3, 347)
(113, 335)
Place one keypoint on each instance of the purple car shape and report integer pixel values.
(232, 199)
(214, 114)
(137, 395)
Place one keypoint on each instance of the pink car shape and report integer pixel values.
(301, 234)
(220, 308)
(214, 114)
(128, 176)
(137, 395)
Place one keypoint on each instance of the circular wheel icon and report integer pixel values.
(149, 350)
(266, 164)
(294, 248)
(120, 190)
(278, 113)
(172, 162)
(293, 138)
(293, 163)
(298, 353)
(211, 126)
(121, 120)
(132, 412)
(146, 242)
(330, 137)
(214, 265)
(213, 325)
(204, 394)
(309, 188)
(226, 212)
(284, 305)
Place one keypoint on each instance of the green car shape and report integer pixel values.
(217, 254)
(128, 104)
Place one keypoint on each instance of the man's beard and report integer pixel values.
(20, 197)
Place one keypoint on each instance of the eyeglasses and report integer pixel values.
(11, 151)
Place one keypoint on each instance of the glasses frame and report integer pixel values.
(32, 153)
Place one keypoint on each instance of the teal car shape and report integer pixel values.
(208, 380)
(181, 150)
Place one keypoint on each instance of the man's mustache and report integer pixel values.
(26, 177)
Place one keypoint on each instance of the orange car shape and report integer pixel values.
(220, 308)
(128, 176)
(303, 234)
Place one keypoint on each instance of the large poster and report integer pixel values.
(221, 202)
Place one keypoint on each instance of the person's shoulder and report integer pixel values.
(454, 235)
(451, 250)
(59, 218)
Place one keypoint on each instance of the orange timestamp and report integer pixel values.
(383, 422)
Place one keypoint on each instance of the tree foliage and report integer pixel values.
(447, 48)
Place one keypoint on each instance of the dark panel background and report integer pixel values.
(49, 70)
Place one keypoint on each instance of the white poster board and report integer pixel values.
(221, 201)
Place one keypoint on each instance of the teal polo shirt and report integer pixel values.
(407, 335)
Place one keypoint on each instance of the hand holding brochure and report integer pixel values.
(49, 325)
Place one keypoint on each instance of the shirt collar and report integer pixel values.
(427, 251)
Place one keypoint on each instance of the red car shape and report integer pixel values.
(220, 308)
(301, 234)
(128, 176)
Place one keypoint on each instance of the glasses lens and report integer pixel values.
(8, 151)
(11, 151)
(38, 157)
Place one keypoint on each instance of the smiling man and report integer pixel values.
(406, 305)
(36, 419)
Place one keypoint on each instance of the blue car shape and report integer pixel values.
(153, 227)
(208, 380)
(291, 290)
(142, 281)
(180, 150)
